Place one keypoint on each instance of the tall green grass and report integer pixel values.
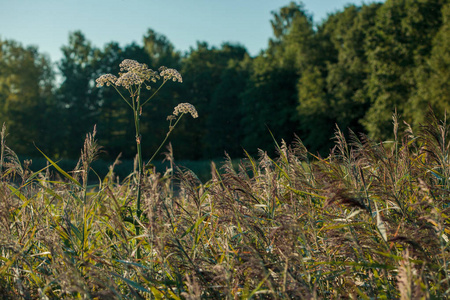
(202, 168)
(368, 221)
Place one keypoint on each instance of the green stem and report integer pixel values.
(136, 109)
(164, 82)
(165, 139)
(123, 97)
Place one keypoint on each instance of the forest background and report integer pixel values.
(351, 70)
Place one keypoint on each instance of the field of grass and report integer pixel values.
(201, 168)
(368, 221)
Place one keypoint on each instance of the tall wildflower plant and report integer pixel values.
(134, 77)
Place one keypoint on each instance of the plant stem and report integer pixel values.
(137, 108)
(124, 99)
(149, 98)
(165, 139)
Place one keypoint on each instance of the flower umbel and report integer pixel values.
(106, 79)
(168, 74)
(141, 70)
(128, 79)
(134, 74)
(185, 108)
(129, 65)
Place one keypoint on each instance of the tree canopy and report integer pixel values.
(352, 70)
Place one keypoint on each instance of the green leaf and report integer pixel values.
(195, 225)
(18, 193)
(76, 231)
(132, 263)
(256, 290)
(132, 283)
(157, 293)
(380, 224)
(35, 174)
(64, 173)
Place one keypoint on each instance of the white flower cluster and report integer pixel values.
(106, 79)
(130, 65)
(185, 108)
(134, 74)
(171, 74)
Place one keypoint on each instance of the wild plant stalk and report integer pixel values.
(2, 147)
(135, 77)
(181, 109)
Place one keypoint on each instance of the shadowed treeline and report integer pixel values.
(353, 70)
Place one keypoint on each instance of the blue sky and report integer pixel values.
(47, 23)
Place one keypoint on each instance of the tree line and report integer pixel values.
(352, 70)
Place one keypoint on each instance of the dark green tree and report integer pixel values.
(347, 76)
(224, 132)
(160, 52)
(115, 123)
(26, 99)
(77, 94)
(270, 99)
(433, 77)
(205, 74)
(268, 106)
(399, 43)
(332, 86)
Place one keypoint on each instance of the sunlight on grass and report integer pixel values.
(370, 220)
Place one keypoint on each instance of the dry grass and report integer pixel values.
(369, 221)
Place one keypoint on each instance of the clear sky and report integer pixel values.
(47, 23)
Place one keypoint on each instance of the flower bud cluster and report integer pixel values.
(185, 108)
(171, 118)
(132, 73)
(106, 79)
(130, 65)
(168, 74)
(128, 79)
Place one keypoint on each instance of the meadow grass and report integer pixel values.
(368, 221)
(100, 167)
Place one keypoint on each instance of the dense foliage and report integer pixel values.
(368, 218)
(353, 69)
(371, 220)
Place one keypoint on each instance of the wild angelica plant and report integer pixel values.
(135, 77)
